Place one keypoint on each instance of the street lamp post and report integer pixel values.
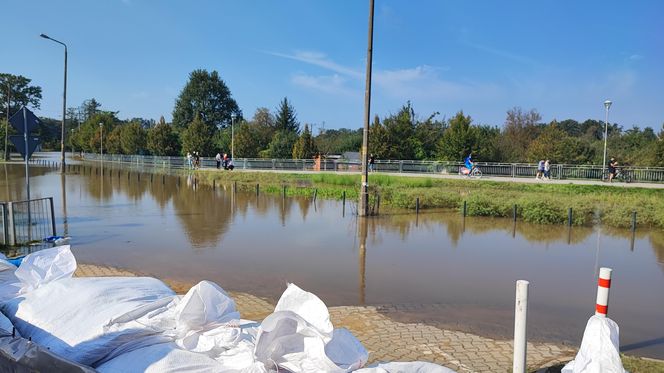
(233, 137)
(101, 145)
(64, 107)
(607, 105)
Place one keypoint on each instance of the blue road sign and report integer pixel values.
(17, 121)
(19, 143)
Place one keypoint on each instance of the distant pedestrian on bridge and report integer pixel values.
(218, 159)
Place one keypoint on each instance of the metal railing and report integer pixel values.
(26, 221)
(514, 170)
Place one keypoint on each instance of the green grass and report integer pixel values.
(536, 203)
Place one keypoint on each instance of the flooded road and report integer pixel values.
(437, 268)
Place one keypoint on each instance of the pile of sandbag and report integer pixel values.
(137, 324)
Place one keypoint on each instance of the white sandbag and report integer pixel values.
(599, 352)
(161, 358)
(44, 266)
(170, 357)
(68, 316)
(308, 306)
(204, 320)
(306, 342)
(410, 367)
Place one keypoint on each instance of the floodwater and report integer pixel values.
(437, 268)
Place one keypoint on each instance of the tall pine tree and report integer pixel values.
(286, 119)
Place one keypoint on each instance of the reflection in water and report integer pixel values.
(63, 188)
(461, 268)
(362, 223)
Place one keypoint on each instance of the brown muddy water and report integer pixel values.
(437, 268)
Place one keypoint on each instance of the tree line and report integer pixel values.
(206, 117)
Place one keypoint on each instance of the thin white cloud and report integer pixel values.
(320, 60)
(420, 82)
(425, 83)
(332, 84)
(636, 57)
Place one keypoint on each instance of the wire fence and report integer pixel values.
(26, 221)
(513, 170)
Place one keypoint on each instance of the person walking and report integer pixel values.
(197, 161)
(218, 159)
(224, 161)
(540, 170)
(190, 165)
(547, 170)
(613, 164)
(372, 162)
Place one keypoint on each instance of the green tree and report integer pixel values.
(207, 96)
(133, 138)
(339, 141)
(113, 140)
(88, 137)
(16, 92)
(247, 140)
(281, 145)
(428, 134)
(88, 109)
(520, 129)
(197, 137)
(305, 147)
(162, 140)
(378, 140)
(401, 142)
(459, 139)
(286, 119)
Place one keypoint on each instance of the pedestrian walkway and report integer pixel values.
(389, 340)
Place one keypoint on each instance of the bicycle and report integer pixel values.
(475, 172)
(621, 175)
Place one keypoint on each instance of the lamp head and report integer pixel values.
(44, 36)
(233, 116)
(607, 104)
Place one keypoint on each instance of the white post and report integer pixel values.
(520, 313)
(603, 286)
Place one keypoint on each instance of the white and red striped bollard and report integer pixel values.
(603, 286)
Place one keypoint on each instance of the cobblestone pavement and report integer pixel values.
(389, 340)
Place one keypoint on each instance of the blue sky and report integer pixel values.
(563, 58)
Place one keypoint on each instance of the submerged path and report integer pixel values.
(390, 340)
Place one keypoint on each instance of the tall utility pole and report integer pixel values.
(363, 209)
(64, 106)
(9, 96)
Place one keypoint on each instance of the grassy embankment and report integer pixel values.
(536, 203)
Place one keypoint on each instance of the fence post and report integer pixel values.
(50, 200)
(417, 206)
(465, 205)
(569, 217)
(633, 220)
(520, 318)
(257, 189)
(400, 166)
(560, 171)
(10, 222)
(514, 210)
(513, 170)
(603, 286)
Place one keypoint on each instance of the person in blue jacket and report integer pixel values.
(469, 163)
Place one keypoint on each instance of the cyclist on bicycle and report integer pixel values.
(469, 164)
